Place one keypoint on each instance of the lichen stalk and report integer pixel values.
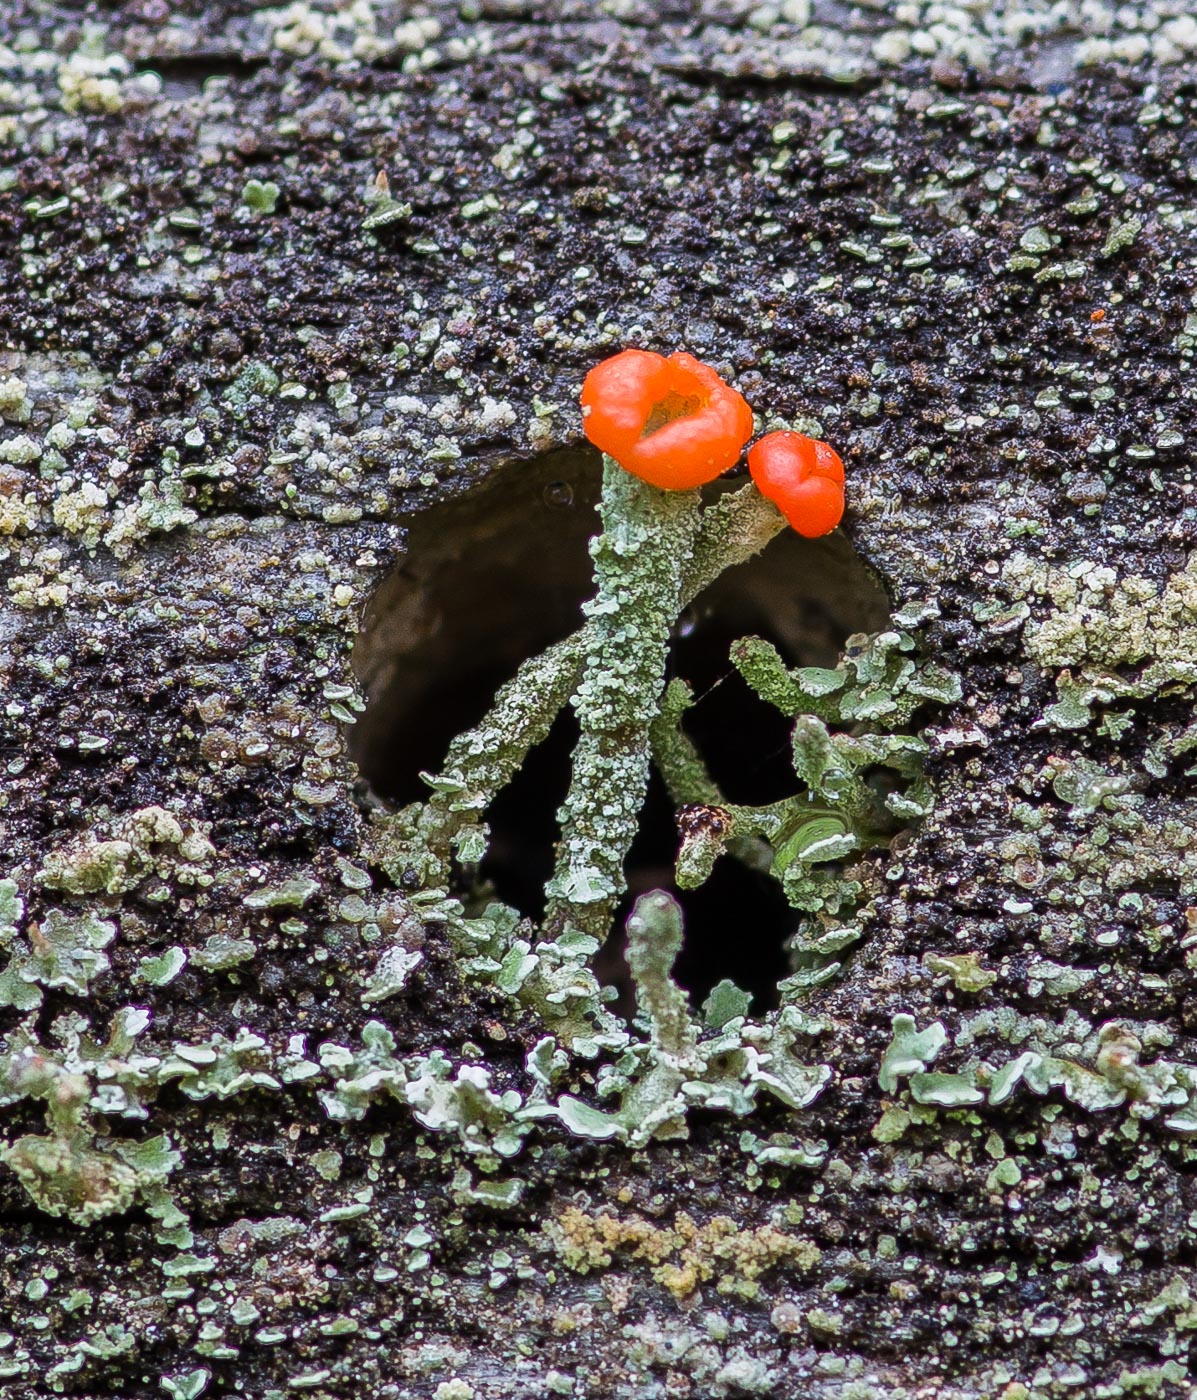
(734, 529)
(690, 784)
(654, 942)
(647, 540)
(481, 762)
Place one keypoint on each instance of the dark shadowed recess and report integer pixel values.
(494, 577)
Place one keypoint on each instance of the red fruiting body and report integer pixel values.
(672, 422)
(803, 477)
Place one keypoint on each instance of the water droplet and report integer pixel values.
(559, 494)
(685, 625)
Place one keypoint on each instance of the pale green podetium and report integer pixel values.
(648, 538)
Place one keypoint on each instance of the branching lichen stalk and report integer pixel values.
(648, 538)
(690, 784)
(734, 529)
(678, 761)
(483, 760)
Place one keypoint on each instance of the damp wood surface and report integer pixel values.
(236, 370)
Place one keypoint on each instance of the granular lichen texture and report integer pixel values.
(286, 1113)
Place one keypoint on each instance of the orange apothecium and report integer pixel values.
(804, 478)
(672, 422)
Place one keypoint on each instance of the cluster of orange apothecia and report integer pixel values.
(675, 424)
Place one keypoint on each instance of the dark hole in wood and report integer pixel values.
(496, 576)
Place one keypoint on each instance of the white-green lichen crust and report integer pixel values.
(656, 551)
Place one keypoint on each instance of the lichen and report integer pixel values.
(685, 1255)
(61, 951)
(149, 841)
(836, 811)
(889, 196)
(659, 1081)
(73, 1170)
(641, 556)
(66, 1175)
(420, 841)
(1109, 637)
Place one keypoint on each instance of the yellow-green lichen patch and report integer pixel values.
(685, 1255)
(144, 843)
(1109, 636)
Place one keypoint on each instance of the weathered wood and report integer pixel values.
(232, 368)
